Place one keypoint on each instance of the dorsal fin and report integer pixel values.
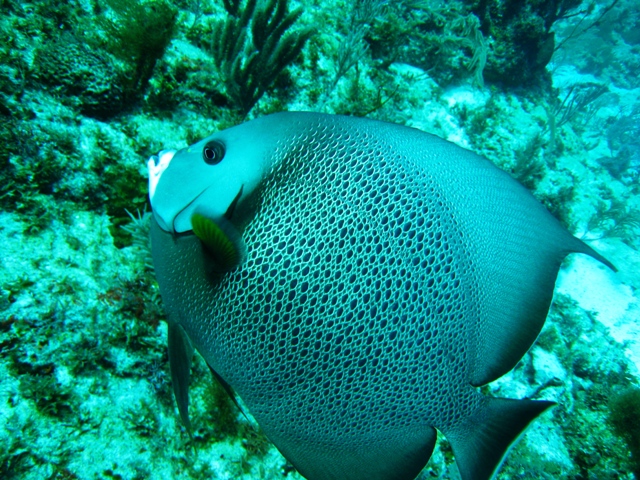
(516, 250)
(524, 286)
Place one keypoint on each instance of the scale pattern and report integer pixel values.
(387, 273)
(349, 313)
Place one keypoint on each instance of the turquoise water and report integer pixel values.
(548, 91)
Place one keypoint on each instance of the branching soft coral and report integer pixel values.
(253, 46)
(139, 33)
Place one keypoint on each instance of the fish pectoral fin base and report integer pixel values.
(223, 242)
(180, 355)
(401, 456)
(481, 442)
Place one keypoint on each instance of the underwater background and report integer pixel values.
(549, 90)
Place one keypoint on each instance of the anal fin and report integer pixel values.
(397, 455)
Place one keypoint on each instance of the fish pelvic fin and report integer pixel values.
(482, 441)
(180, 355)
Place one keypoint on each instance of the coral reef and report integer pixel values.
(139, 33)
(444, 40)
(90, 89)
(522, 40)
(87, 79)
(625, 417)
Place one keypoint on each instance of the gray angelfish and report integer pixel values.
(354, 281)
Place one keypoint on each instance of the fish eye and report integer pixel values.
(213, 152)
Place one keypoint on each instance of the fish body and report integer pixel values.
(382, 274)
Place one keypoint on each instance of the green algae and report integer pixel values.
(624, 415)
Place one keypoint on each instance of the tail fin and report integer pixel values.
(482, 441)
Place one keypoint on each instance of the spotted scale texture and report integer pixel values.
(388, 272)
(355, 289)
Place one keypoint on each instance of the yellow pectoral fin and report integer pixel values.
(222, 240)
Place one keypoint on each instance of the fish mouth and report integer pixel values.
(181, 222)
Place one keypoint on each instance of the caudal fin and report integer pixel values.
(482, 441)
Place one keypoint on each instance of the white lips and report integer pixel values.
(157, 164)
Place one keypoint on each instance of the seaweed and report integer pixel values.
(613, 219)
(579, 105)
(528, 168)
(224, 413)
(143, 418)
(14, 452)
(624, 416)
(573, 335)
(49, 396)
(139, 32)
(578, 29)
(559, 203)
(139, 230)
(446, 40)
(353, 47)
(623, 140)
(87, 356)
(522, 38)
